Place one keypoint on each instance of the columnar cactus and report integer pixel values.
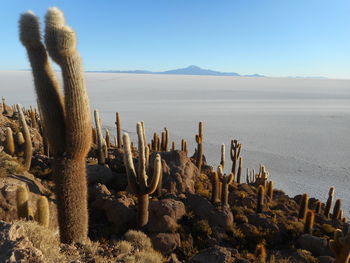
(309, 222)
(165, 139)
(269, 191)
(235, 152)
(341, 246)
(215, 185)
(261, 199)
(119, 131)
(67, 121)
(226, 180)
(100, 151)
(199, 140)
(10, 143)
(108, 139)
(222, 156)
(239, 170)
(138, 182)
(22, 202)
(4, 110)
(184, 146)
(318, 207)
(329, 201)
(43, 211)
(173, 146)
(336, 209)
(260, 252)
(28, 149)
(304, 204)
(19, 138)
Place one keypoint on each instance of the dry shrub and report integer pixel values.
(274, 259)
(43, 239)
(138, 239)
(9, 165)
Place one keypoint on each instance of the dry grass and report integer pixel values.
(138, 239)
(9, 165)
(43, 239)
(274, 259)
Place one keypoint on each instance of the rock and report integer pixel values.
(120, 212)
(99, 174)
(325, 259)
(179, 173)
(204, 209)
(164, 215)
(261, 220)
(316, 245)
(214, 254)
(15, 246)
(166, 243)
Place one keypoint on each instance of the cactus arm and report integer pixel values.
(46, 85)
(61, 44)
(157, 172)
(129, 165)
(100, 153)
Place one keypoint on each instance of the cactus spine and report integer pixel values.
(43, 211)
(10, 144)
(341, 246)
(199, 140)
(138, 182)
(336, 209)
(309, 222)
(69, 135)
(22, 202)
(260, 202)
(329, 201)
(304, 203)
(119, 131)
(28, 150)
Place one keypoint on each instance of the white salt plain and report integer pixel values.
(298, 128)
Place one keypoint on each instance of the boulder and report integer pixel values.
(166, 243)
(214, 254)
(316, 245)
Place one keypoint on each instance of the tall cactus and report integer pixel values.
(22, 197)
(43, 211)
(235, 152)
(28, 149)
(215, 187)
(269, 191)
(304, 204)
(119, 131)
(336, 209)
(199, 140)
(69, 134)
(329, 201)
(100, 151)
(239, 170)
(309, 222)
(222, 156)
(138, 181)
(261, 199)
(226, 180)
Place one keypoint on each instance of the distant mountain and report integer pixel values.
(190, 70)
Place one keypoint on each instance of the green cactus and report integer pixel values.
(28, 149)
(138, 182)
(336, 209)
(341, 246)
(304, 204)
(22, 202)
(329, 202)
(69, 135)
(309, 222)
(119, 131)
(261, 199)
(199, 140)
(235, 152)
(43, 211)
(10, 143)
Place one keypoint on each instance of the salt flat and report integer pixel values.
(298, 128)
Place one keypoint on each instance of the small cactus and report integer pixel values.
(260, 202)
(100, 151)
(222, 156)
(304, 203)
(184, 146)
(260, 253)
(309, 222)
(173, 146)
(28, 149)
(239, 171)
(341, 246)
(329, 202)
(43, 211)
(10, 144)
(318, 207)
(226, 180)
(108, 139)
(215, 187)
(22, 202)
(269, 191)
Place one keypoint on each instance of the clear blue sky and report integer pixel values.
(270, 37)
